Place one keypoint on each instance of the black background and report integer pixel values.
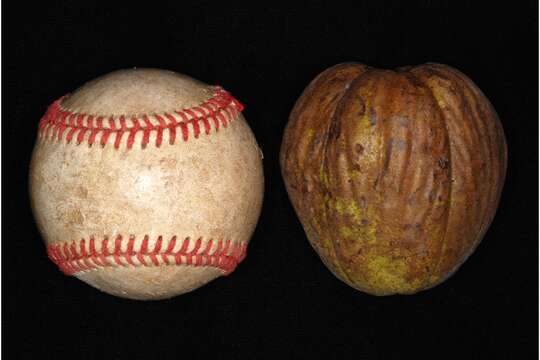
(281, 302)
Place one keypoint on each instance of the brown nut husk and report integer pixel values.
(395, 175)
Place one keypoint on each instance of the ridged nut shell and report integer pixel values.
(395, 175)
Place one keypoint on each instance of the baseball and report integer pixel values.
(145, 183)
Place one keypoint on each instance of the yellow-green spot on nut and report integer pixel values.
(355, 175)
(309, 135)
(354, 211)
(347, 232)
(364, 220)
(326, 202)
(324, 178)
(339, 205)
(439, 99)
(434, 279)
(386, 273)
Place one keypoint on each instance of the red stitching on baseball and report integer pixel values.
(77, 256)
(221, 108)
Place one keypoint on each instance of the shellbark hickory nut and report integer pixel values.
(395, 175)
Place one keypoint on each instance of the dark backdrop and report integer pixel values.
(281, 302)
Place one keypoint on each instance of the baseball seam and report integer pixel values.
(217, 111)
(82, 256)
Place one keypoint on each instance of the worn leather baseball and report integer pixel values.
(145, 183)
